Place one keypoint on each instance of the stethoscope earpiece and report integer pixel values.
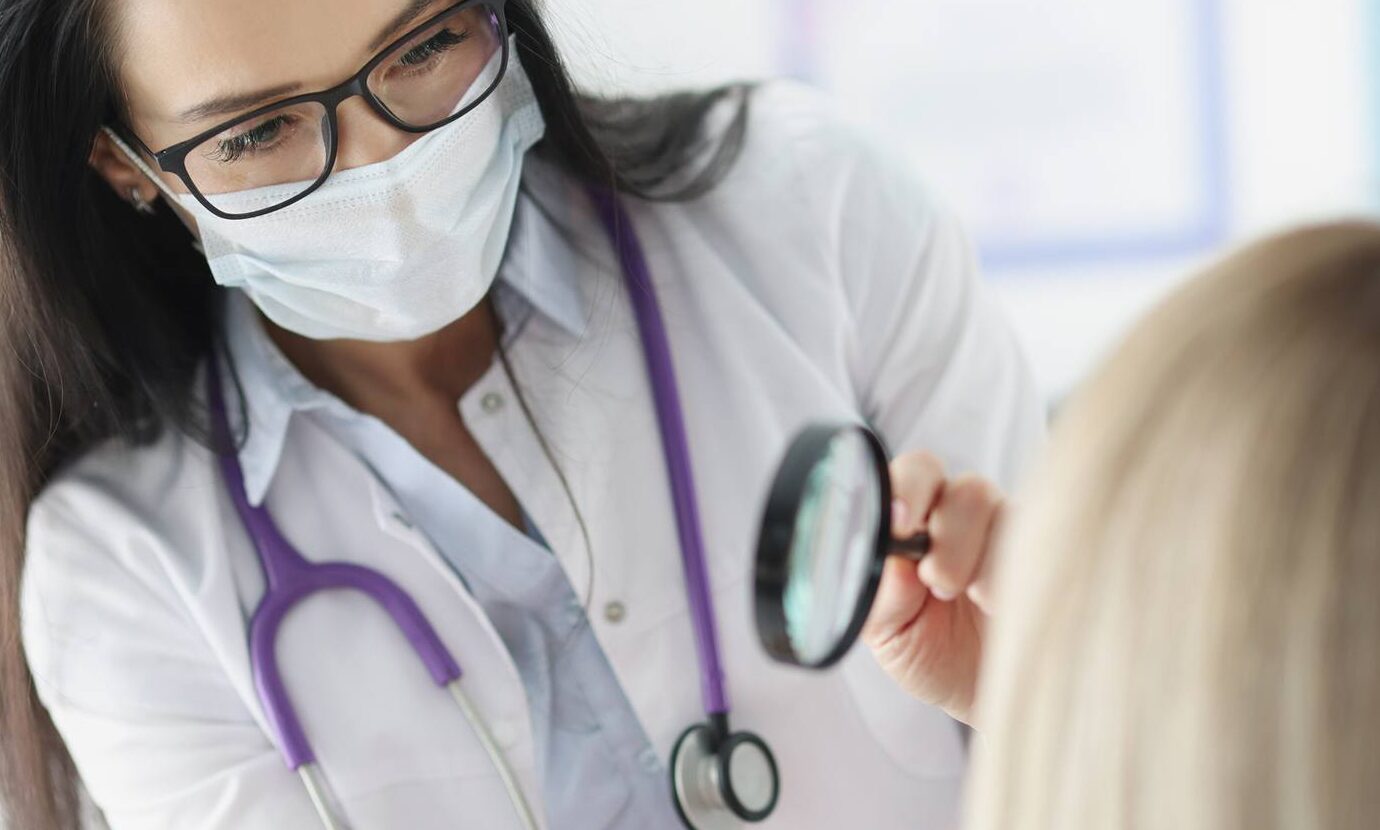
(720, 779)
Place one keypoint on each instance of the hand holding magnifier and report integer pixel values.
(825, 536)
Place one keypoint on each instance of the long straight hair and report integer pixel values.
(105, 315)
(1189, 635)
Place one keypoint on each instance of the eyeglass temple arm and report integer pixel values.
(138, 161)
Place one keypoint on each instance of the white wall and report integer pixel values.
(1295, 106)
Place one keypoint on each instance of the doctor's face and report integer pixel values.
(187, 66)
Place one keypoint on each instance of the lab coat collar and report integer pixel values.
(536, 276)
(537, 266)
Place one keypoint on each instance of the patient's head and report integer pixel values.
(1188, 633)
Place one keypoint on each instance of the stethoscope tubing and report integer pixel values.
(291, 579)
(656, 351)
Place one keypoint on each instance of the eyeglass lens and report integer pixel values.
(421, 82)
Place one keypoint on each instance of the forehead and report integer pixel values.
(174, 54)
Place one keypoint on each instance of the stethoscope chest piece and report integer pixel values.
(722, 780)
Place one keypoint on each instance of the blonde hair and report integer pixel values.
(1188, 624)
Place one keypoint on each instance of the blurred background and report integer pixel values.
(1099, 150)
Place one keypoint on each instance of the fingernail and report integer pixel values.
(941, 594)
(900, 515)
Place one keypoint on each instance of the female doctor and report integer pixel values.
(365, 282)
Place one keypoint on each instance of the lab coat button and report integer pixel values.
(615, 612)
(491, 402)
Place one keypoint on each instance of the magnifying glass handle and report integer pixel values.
(913, 548)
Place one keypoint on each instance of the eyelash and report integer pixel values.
(251, 140)
(443, 41)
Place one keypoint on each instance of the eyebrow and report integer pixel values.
(226, 104)
(412, 12)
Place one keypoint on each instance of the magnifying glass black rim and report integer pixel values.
(777, 534)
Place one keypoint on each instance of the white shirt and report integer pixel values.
(817, 282)
(594, 762)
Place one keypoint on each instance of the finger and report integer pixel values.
(916, 481)
(980, 591)
(958, 528)
(899, 601)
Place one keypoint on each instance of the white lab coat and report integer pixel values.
(818, 282)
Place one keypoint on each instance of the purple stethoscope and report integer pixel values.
(719, 778)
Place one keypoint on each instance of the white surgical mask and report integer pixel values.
(389, 251)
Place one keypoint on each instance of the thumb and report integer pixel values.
(901, 597)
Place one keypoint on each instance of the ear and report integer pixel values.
(113, 166)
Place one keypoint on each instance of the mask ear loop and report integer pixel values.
(138, 161)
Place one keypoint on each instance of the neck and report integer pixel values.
(380, 377)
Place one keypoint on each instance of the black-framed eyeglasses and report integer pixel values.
(420, 82)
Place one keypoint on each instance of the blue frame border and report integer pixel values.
(1205, 231)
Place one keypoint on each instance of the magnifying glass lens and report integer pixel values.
(832, 546)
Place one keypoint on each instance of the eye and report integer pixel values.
(256, 139)
(439, 43)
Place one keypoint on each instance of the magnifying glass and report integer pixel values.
(826, 533)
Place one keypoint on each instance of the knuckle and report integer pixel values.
(972, 493)
(945, 573)
(929, 462)
(918, 465)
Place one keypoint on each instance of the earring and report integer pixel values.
(141, 205)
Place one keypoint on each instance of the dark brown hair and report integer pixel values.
(105, 314)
